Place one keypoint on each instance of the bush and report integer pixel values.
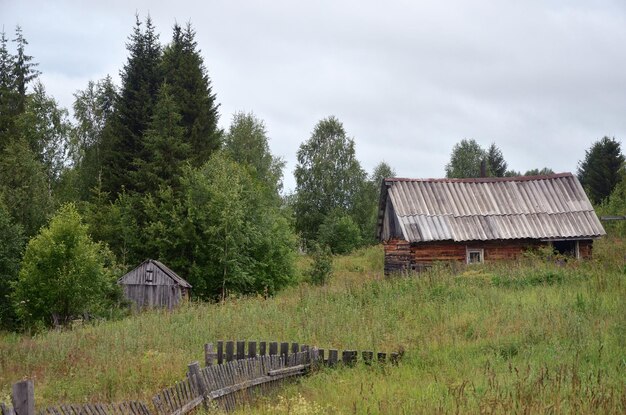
(340, 233)
(64, 274)
(322, 267)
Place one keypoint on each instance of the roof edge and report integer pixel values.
(482, 179)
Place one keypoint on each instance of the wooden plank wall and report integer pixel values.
(148, 296)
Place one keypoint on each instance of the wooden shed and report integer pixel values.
(422, 221)
(152, 284)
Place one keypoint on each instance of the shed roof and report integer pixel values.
(538, 207)
(166, 270)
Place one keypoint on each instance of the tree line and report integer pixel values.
(599, 173)
(142, 170)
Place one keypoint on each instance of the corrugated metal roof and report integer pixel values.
(538, 207)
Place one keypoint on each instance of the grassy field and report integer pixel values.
(529, 336)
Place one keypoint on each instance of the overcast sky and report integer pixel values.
(408, 79)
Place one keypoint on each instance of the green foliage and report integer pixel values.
(116, 224)
(64, 274)
(23, 69)
(328, 177)
(599, 172)
(339, 233)
(241, 241)
(321, 270)
(539, 172)
(496, 165)
(247, 143)
(615, 204)
(11, 247)
(93, 109)
(165, 148)
(123, 136)
(367, 218)
(46, 128)
(467, 155)
(8, 94)
(382, 171)
(184, 71)
(23, 187)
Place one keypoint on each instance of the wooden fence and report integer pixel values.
(233, 374)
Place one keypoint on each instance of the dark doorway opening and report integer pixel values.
(566, 248)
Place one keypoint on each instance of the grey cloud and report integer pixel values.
(542, 79)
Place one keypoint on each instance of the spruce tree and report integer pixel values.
(599, 172)
(23, 70)
(123, 137)
(496, 166)
(184, 70)
(7, 92)
(165, 149)
(16, 72)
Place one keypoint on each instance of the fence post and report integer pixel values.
(6, 410)
(332, 357)
(220, 352)
(284, 351)
(230, 351)
(251, 349)
(262, 348)
(241, 350)
(368, 357)
(196, 376)
(209, 355)
(273, 348)
(23, 397)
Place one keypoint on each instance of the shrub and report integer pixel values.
(322, 267)
(340, 233)
(64, 274)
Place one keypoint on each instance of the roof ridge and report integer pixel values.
(481, 179)
(494, 214)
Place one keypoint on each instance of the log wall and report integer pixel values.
(401, 256)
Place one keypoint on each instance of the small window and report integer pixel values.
(566, 248)
(149, 277)
(475, 256)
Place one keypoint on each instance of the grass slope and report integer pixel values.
(516, 337)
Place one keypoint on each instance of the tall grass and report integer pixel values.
(524, 336)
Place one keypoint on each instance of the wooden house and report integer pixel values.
(152, 284)
(422, 221)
